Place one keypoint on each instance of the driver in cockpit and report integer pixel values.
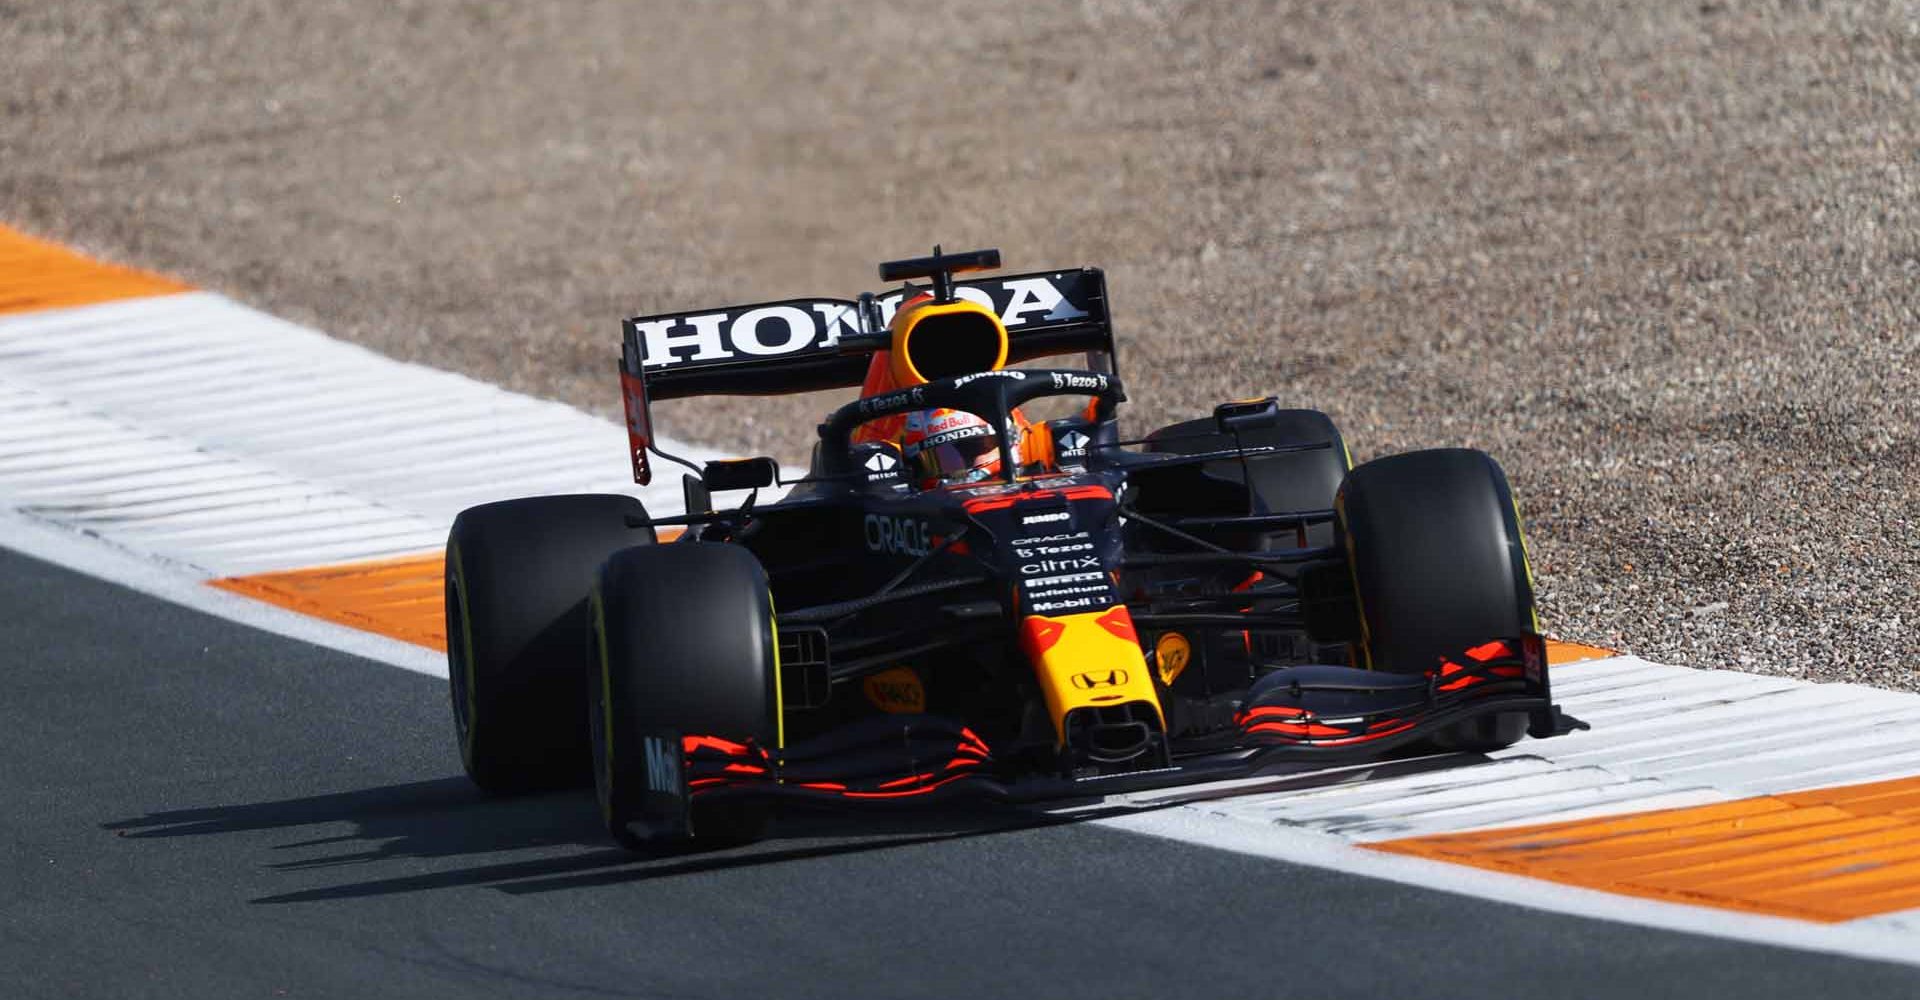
(946, 447)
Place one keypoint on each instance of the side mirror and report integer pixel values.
(1243, 415)
(740, 474)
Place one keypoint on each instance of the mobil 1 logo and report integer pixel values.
(663, 764)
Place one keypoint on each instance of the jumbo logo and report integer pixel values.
(797, 326)
(898, 535)
(897, 690)
(1093, 680)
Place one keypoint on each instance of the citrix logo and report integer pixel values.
(1059, 565)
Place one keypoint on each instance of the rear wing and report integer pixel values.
(805, 345)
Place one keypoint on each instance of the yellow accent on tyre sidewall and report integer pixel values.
(606, 702)
(468, 665)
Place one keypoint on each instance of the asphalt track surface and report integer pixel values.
(197, 808)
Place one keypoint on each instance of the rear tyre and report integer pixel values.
(1305, 480)
(686, 647)
(1439, 565)
(517, 578)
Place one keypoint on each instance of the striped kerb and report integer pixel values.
(401, 599)
(35, 274)
(1825, 855)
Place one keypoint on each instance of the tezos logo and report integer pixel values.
(1025, 552)
(1069, 380)
(1058, 515)
(894, 401)
(898, 535)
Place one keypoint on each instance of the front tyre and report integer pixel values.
(1439, 565)
(517, 577)
(685, 646)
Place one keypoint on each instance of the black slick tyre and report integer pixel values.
(1436, 554)
(685, 647)
(1439, 566)
(518, 643)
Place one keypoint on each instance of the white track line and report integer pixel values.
(140, 571)
(219, 439)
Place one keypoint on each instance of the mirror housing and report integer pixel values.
(1243, 415)
(740, 474)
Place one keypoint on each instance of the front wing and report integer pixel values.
(1323, 716)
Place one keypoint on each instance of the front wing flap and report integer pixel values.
(1319, 715)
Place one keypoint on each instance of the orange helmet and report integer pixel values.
(949, 447)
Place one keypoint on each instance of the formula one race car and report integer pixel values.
(957, 600)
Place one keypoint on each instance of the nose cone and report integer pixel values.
(1089, 659)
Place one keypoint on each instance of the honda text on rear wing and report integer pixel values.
(805, 345)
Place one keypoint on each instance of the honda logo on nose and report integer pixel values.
(1099, 679)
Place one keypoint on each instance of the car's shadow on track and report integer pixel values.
(418, 827)
(415, 832)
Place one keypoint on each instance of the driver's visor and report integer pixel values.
(964, 460)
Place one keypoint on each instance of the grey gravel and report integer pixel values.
(1659, 258)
